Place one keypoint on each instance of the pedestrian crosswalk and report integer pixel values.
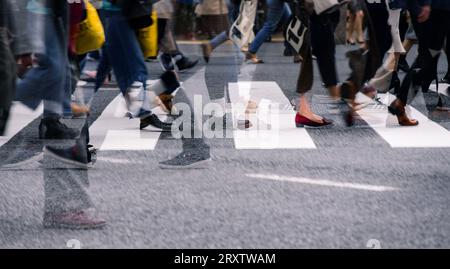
(21, 116)
(442, 88)
(272, 119)
(114, 131)
(428, 134)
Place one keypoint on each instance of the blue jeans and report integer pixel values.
(49, 80)
(277, 10)
(233, 10)
(233, 14)
(121, 52)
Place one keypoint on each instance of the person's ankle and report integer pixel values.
(305, 113)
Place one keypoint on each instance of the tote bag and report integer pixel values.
(148, 38)
(241, 32)
(90, 35)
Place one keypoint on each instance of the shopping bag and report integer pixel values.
(148, 38)
(241, 32)
(295, 33)
(90, 35)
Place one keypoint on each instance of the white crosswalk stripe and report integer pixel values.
(273, 122)
(113, 131)
(428, 134)
(442, 88)
(21, 116)
(273, 125)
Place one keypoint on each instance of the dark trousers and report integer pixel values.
(447, 52)
(324, 45)
(306, 76)
(380, 39)
(7, 79)
(431, 36)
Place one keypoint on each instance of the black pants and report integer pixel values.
(380, 39)
(431, 36)
(7, 79)
(324, 45)
(447, 52)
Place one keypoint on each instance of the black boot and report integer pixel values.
(53, 128)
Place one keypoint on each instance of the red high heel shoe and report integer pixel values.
(301, 121)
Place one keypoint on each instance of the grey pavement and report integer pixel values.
(280, 198)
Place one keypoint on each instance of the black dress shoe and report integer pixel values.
(185, 63)
(53, 128)
(154, 121)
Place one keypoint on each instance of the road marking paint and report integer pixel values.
(324, 182)
(21, 116)
(274, 121)
(442, 88)
(113, 131)
(428, 134)
(118, 161)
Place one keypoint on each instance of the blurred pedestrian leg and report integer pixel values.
(67, 201)
(7, 65)
(47, 78)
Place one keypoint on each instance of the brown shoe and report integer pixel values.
(397, 108)
(79, 110)
(253, 58)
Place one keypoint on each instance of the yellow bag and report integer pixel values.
(148, 38)
(90, 35)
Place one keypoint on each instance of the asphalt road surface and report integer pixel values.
(271, 187)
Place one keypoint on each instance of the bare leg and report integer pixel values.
(391, 61)
(350, 27)
(359, 26)
(305, 109)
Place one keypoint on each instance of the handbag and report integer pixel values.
(295, 33)
(148, 38)
(297, 28)
(90, 35)
(241, 32)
